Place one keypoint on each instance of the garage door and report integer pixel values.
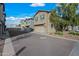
(40, 29)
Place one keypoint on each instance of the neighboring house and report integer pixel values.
(23, 23)
(28, 22)
(41, 22)
(18, 26)
(2, 19)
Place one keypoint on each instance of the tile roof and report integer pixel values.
(41, 11)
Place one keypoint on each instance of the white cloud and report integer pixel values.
(13, 21)
(37, 4)
(10, 18)
(26, 17)
(16, 18)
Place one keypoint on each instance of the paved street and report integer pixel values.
(40, 45)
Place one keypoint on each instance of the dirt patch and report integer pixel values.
(66, 35)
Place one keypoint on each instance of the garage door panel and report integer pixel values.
(40, 29)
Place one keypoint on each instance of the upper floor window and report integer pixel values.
(42, 16)
(36, 18)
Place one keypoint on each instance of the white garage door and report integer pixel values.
(40, 29)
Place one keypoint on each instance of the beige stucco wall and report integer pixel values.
(48, 24)
(40, 29)
(39, 20)
(43, 21)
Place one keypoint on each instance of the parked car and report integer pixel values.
(26, 30)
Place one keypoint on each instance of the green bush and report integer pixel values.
(59, 32)
(74, 33)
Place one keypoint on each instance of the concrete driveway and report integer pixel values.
(41, 45)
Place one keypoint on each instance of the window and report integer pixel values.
(42, 16)
(36, 18)
(51, 25)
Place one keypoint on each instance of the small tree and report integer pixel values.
(65, 15)
(68, 12)
(56, 20)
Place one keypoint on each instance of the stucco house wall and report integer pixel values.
(42, 23)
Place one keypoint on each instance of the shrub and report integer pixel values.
(74, 33)
(59, 32)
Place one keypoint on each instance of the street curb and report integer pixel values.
(8, 49)
(14, 38)
(56, 37)
(19, 36)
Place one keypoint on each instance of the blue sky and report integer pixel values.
(17, 11)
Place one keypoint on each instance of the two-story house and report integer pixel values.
(41, 22)
(2, 19)
(28, 22)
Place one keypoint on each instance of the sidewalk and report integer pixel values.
(8, 49)
(2, 42)
(1, 46)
